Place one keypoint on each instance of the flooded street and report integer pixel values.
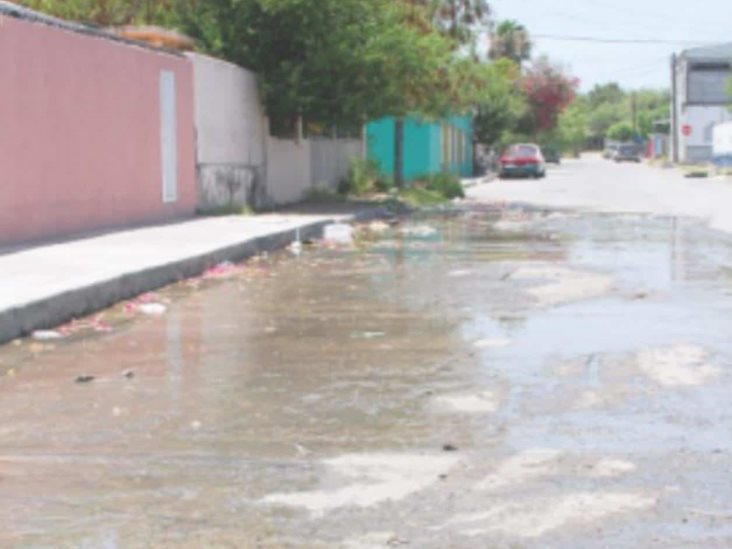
(489, 377)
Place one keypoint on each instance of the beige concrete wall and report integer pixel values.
(288, 170)
(238, 161)
(330, 159)
(230, 134)
(228, 113)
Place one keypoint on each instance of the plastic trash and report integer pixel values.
(459, 273)
(222, 270)
(338, 233)
(421, 231)
(296, 248)
(378, 227)
(46, 335)
(368, 335)
(152, 309)
(493, 343)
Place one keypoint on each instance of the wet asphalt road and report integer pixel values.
(486, 377)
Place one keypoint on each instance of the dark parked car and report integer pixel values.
(523, 160)
(627, 153)
(551, 155)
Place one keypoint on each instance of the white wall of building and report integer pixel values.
(288, 170)
(230, 134)
(228, 113)
(239, 163)
(330, 160)
(697, 147)
(723, 140)
(700, 119)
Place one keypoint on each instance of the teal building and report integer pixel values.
(429, 146)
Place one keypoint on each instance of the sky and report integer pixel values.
(645, 65)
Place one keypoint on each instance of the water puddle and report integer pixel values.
(481, 374)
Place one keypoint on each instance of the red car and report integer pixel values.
(522, 160)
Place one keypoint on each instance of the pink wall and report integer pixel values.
(80, 145)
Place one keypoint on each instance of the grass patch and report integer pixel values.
(417, 197)
(362, 179)
(697, 174)
(230, 209)
(446, 184)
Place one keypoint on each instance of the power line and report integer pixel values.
(660, 21)
(622, 40)
(656, 63)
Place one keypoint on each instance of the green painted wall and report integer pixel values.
(423, 146)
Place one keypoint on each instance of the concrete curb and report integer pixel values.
(55, 310)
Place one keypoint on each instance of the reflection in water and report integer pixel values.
(174, 355)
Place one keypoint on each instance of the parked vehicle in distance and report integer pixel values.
(722, 147)
(522, 160)
(627, 153)
(552, 155)
(609, 152)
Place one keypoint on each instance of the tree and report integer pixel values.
(652, 106)
(511, 41)
(335, 62)
(572, 128)
(461, 20)
(603, 94)
(500, 106)
(548, 91)
(102, 12)
(461, 77)
(622, 131)
(602, 117)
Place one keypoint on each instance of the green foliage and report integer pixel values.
(610, 105)
(622, 131)
(511, 41)
(519, 106)
(331, 62)
(229, 209)
(572, 129)
(603, 94)
(446, 184)
(334, 62)
(499, 106)
(652, 106)
(103, 12)
(418, 197)
(460, 20)
(384, 184)
(602, 117)
(362, 178)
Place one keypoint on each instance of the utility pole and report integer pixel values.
(399, 152)
(634, 110)
(674, 113)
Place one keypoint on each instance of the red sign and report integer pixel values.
(686, 130)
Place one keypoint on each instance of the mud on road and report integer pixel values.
(479, 378)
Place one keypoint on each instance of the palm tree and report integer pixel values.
(511, 41)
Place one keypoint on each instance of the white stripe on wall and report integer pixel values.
(168, 135)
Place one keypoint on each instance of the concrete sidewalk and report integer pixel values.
(44, 286)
